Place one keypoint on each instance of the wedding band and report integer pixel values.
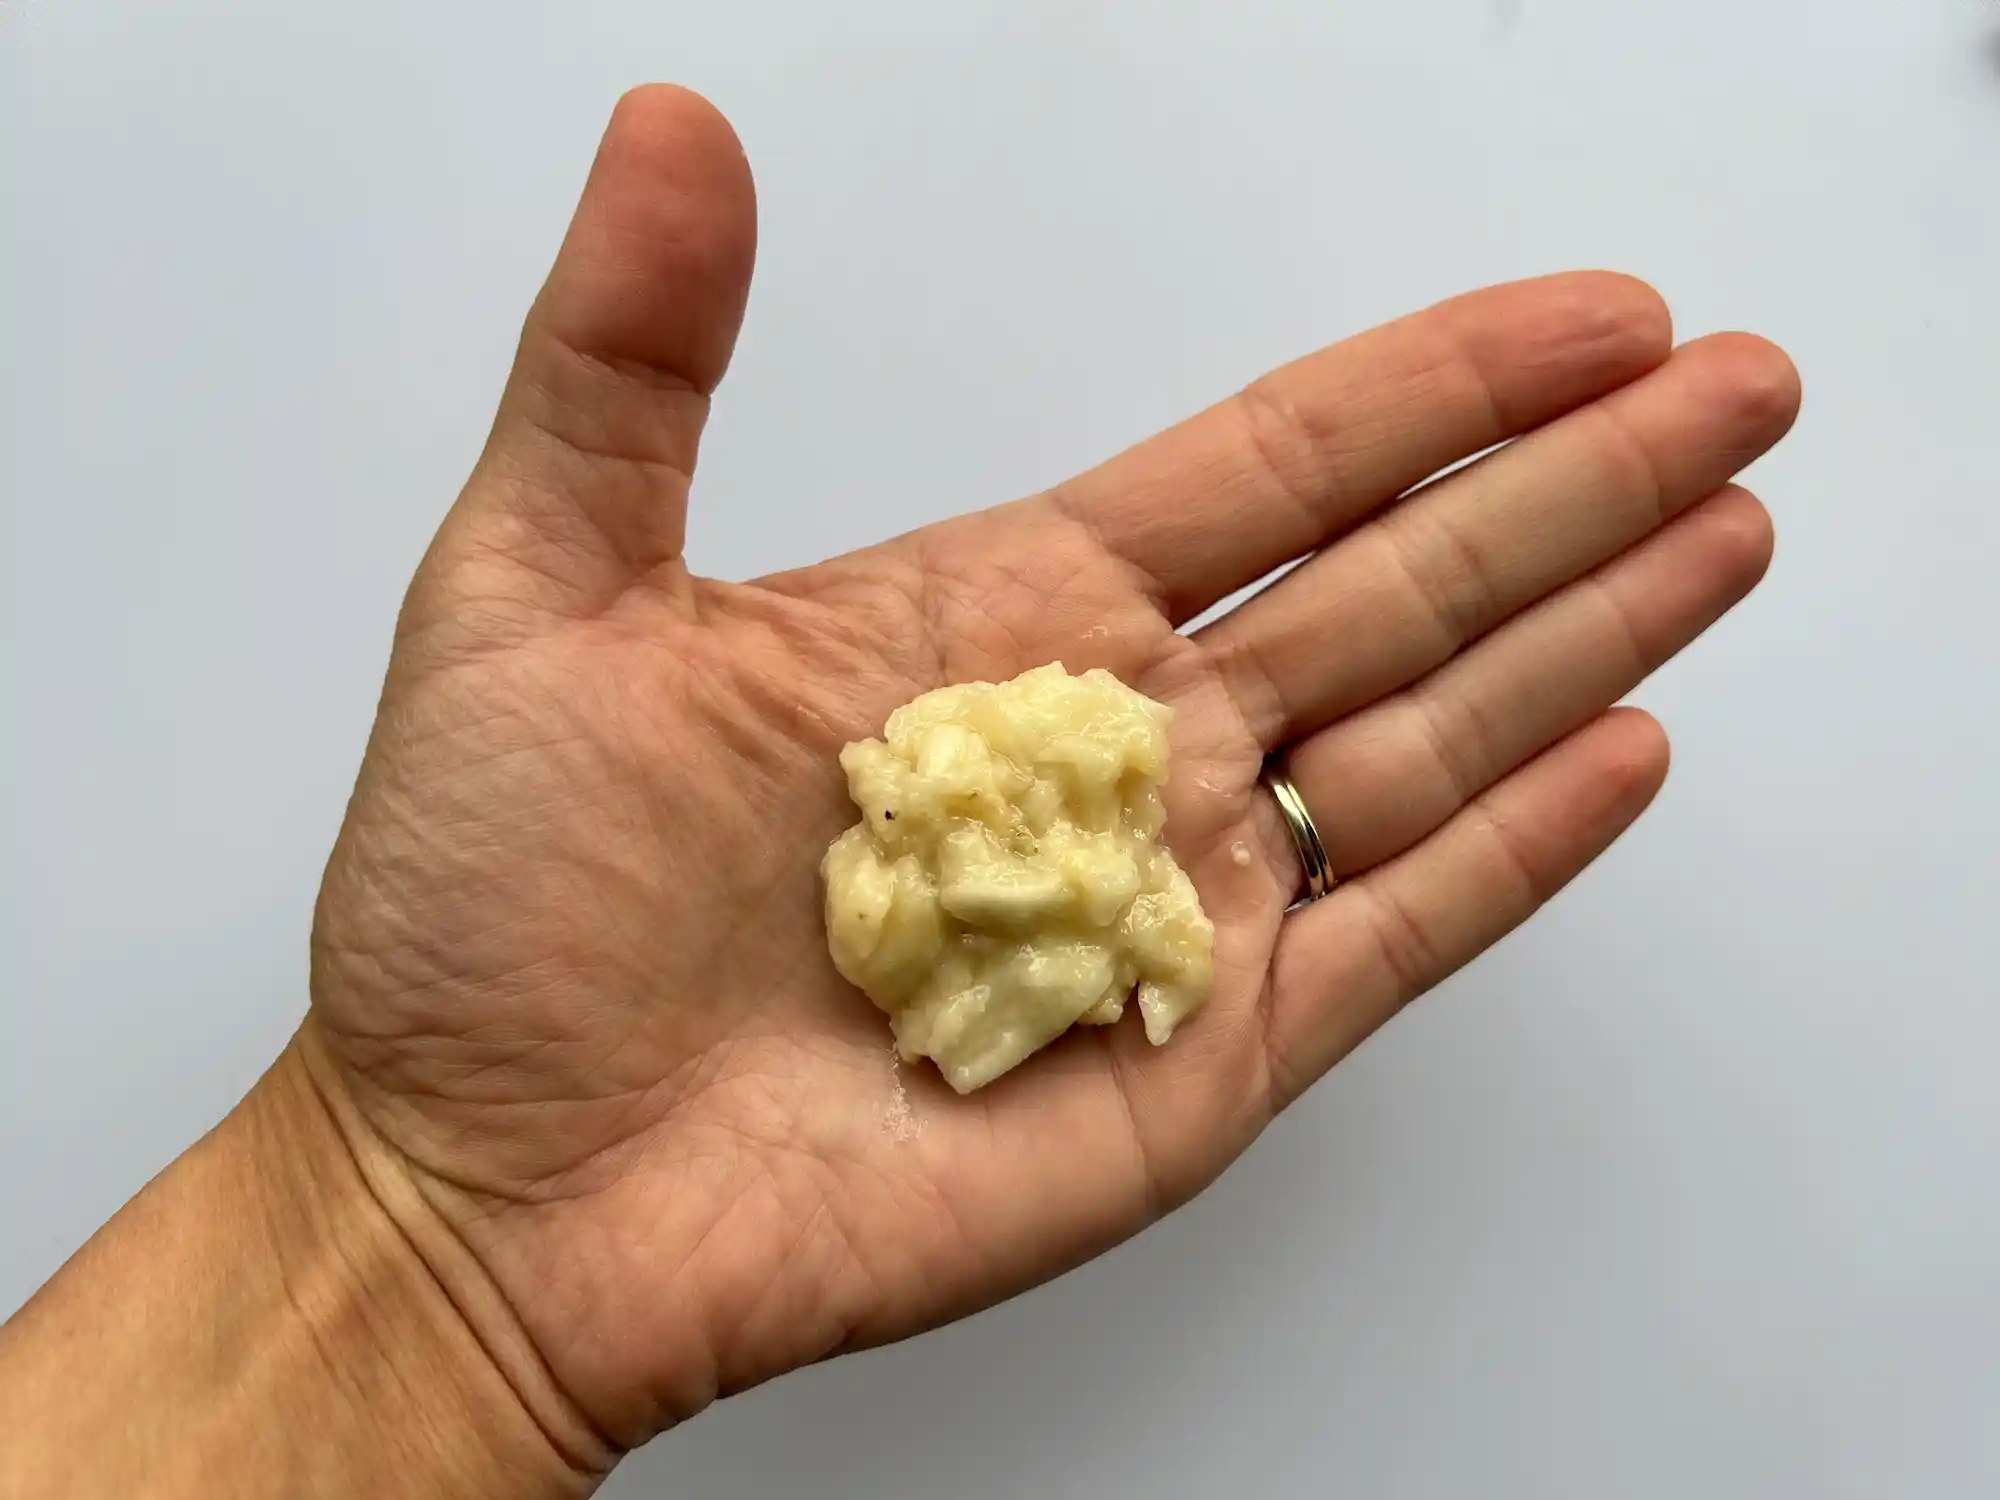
(1320, 878)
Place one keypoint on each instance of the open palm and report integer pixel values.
(570, 982)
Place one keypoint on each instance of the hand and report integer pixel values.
(571, 999)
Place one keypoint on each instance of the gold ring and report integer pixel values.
(1320, 879)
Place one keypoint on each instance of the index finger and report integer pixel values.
(1307, 451)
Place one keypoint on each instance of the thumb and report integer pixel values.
(595, 442)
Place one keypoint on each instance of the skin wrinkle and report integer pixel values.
(475, 631)
(506, 1035)
(713, 687)
(1060, 499)
(1153, 1200)
(1037, 581)
(1536, 884)
(1463, 751)
(1267, 725)
(1651, 479)
(426, 953)
(828, 1181)
(520, 1059)
(672, 419)
(792, 720)
(1282, 1085)
(727, 1327)
(820, 1218)
(1261, 404)
(483, 622)
(598, 1070)
(504, 1364)
(806, 625)
(1644, 661)
(481, 603)
(954, 611)
(1463, 612)
(1404, 947)
(832, 706)
(747, 1149)
(1464, 355)
(634, 563)
(633, 1123)
(533, 528)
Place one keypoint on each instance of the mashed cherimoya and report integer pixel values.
(1007, 879)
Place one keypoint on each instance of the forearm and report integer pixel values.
(256, 1323)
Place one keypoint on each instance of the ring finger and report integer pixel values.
(1380, 780)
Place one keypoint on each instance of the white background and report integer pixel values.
(1691, 1189)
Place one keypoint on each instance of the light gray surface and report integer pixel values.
(1691, 1189)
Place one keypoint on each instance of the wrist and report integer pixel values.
(399, 1291)
(262, 1320)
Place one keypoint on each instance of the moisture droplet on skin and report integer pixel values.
(1007, 879)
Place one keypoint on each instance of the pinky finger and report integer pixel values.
(1346, 964)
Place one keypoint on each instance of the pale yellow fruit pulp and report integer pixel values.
(1008, 879)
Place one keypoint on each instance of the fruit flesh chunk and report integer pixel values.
(1008, 879)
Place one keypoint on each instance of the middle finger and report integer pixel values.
(1395, 599)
